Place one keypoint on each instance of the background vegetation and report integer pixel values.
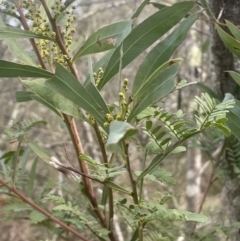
(140, 141)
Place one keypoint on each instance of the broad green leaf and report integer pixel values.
(23, 96)
(6, 157)
(158, 5)
(208, 90)
(76, 44)
(66, 84)
(135, 235)
(64, 207)
(53, 98)
(118, 130)
(18, 207)
(162, 85)
(18, 52)
(16, 49)
(23, 163)
(151, 166)
(37, 217)
(91, 88)
(29, 124)
(151, 79)
(94, 92)
(102, 63)
(45, 103)
(39, 151)
(10, 14)
(231, 43)
(159, 174)
(116, 187)
(234, 119)
(163, 175)
(90, 70)
(178, 149)
(183, 83)
(225, 130)
(234, 30)
(207, 8)
(162, 52)
(104, 39)
(105, 195)
(149, 124)
(9, 69)
(196, 217)
(235, 76)
(32, 177)
(17, 33)
(144, 35)
(148, 112)
(139, 9)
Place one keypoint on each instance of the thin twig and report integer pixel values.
(72, 125)
(101, 144)
(26, 27)
(59, 37)
(44, 212)
(105, 160)
(133, 182)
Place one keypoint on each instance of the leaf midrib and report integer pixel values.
(165, 20)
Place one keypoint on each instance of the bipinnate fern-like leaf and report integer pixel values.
(54, 198)
(233, 155)
(172, 128)
(20, 128)
(154, 236)
(210, 113)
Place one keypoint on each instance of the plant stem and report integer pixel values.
(59, 37)
(26, 27)
(101, 144)
(140, 231)
(68, 120)
(105, 160)
(16, 163)
(111, 160)
(83, 167)
(72, 125)
(141, 183)
(44, 212)
(133, 182)
(111, 209)
(120, 72)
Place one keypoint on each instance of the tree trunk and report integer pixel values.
(222, 60)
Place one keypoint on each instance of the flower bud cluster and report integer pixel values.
(123, 105)
(7, 7)
(49, 49)
(98, 76)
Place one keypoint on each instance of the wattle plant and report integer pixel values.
(55, 84)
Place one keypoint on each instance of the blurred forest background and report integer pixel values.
(198, 163)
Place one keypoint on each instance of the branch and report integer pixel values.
(105, 160)
(133, 182)
(44, 212)
(73, 129)
(26, 27)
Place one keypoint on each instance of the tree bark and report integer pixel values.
(222, 60)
